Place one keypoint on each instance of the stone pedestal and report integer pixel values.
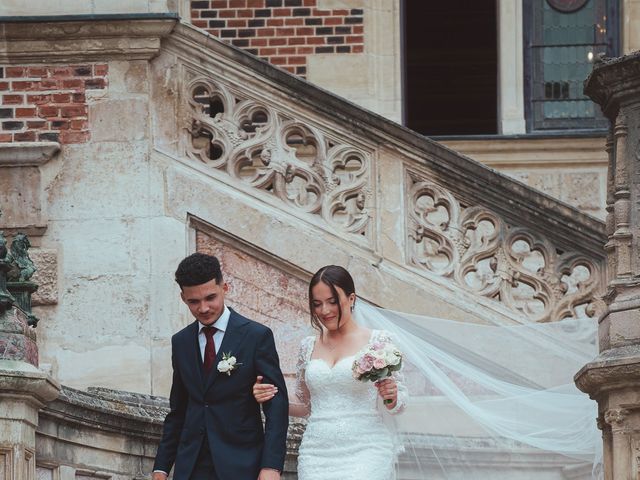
(613, 378)
(24, 390)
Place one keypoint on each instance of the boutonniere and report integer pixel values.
(228, 364)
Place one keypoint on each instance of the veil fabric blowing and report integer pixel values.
(492, 402)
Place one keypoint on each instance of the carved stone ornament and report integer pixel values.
(615, 416)
(260, 146)
(477, 250)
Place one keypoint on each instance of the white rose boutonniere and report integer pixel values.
(228, 364)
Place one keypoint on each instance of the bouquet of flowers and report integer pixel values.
(377, 361)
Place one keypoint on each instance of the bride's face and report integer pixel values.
(325, 306)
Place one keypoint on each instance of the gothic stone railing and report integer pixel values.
(334, 165)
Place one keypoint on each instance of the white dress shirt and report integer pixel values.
(221, 325)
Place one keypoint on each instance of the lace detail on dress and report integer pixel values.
(346, 437)
(304, 354)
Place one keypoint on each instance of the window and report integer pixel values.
(562, 38)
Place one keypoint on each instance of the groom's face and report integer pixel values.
(205, 301)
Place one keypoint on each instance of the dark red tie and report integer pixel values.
(209, 348)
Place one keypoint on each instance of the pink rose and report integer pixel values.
(379, 363)
(366, 362)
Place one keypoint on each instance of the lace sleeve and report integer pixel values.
(398, 376)
(301, 390)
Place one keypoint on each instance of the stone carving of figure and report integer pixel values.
(22, 268)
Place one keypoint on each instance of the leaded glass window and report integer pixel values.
(562, 39)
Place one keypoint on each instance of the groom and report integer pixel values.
(214, 429)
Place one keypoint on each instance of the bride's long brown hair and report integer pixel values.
(333, 276)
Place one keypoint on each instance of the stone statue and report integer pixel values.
(22, 268)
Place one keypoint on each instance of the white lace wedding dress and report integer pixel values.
(345, 438)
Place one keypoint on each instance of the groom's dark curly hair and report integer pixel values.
(198, 268)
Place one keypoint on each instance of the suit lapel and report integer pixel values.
(233, 336)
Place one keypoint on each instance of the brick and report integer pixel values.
(94, 84)
(38, 99)
(82, 71)
(4, 85)
(343, 49)
(304, 50)
(6, 112)
(355, 39)
(324, 30)
(315, 41)
(48, 84)
(237, 3)
(246, 32)
(73, 137)
(256, 23)
(1, 72)
(286, 51)
(294, 21)
(28, 136)
(217, 24)
(49, 137)
(240, 43)
(48, 111)
(61, 97)
(335, 40)
(73, 83)
(273, 3)
(74, 111)
(237, 23)
(200, 4)
(290, 69)
(310, 3)
(352, 20)
(274, 42)
(255, 3)
(79, 124)
(60, 72)
(209, 14)
(265, 52)
(228, 33)
(297, 41)
(313, 21)
(342, 13)
(333, 21)
(15, 72)
(297, 60)
(12, 125)
(301, 70)
(199, 23)
(321, 13)
(100, 70)
(266, 32)
(275, 22)
(252, 51)
(262, 13)
(12, 99)
(227, 14)
(60, 125)
(357, 49)
(356, 11)
(358, 29)
(304, 31)
(343, 30)
(259, 42)
(25, 112)
(279, 60)
(215, 32)
(285, 32)
(6, 138)
(22, 85)
(78, 97)
(37, 72)
(246, 13)
(324, 49)
(282, 12)
(219, 4)
(36, 124)
(301, 12)
(293, 3)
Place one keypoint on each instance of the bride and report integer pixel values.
(487, 401)
(349, 425)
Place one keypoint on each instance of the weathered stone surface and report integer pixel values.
(46, 276)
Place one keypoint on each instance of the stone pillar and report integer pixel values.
(613, 378)
(24, 389)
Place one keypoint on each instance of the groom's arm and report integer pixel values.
(173, 422)
(276, 411)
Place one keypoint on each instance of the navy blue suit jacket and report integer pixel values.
(223, 407)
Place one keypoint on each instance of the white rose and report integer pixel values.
(224, 366)
(231, 361)
(392, 358)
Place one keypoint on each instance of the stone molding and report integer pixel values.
(75, 39)
(27, 154)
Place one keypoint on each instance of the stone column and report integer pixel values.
(613, 378)
(24, 389)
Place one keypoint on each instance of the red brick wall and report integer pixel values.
(284, 32)
(47, 102)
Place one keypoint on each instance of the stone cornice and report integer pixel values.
(82, 38)
(614, 80)
(27, 154)
(472, 181)
(613, 369)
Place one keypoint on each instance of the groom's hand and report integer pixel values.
(159, 476)
(268, 474)
(263, 392)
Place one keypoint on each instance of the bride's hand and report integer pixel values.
(388, 390)
(263, 392)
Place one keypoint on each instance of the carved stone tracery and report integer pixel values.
(264, 148)
(478, 250)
